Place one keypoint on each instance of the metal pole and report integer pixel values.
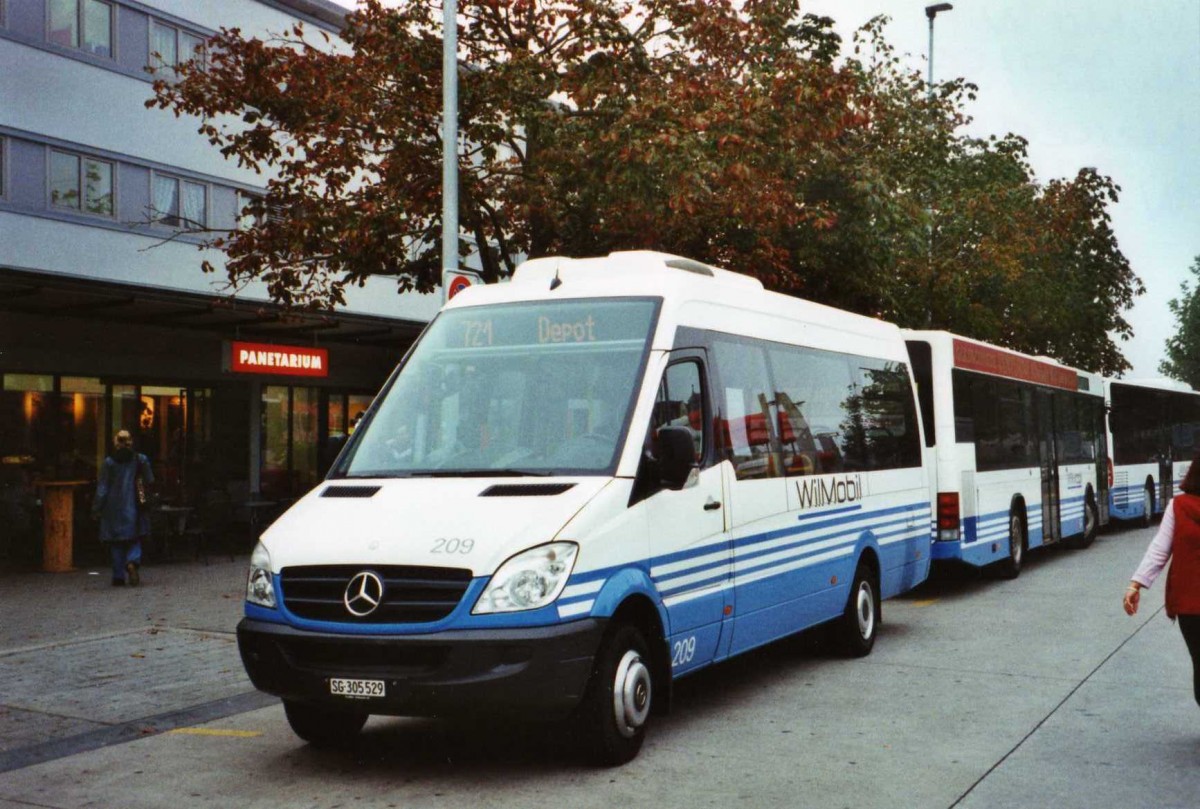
(929, 81)
(931, 12)
(449, 141)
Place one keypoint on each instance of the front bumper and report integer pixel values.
(456, 673)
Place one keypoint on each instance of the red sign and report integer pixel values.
(264, 358)
(457, 284)
(988, 360)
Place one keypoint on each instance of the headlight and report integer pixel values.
(529, 580)
(260, 584)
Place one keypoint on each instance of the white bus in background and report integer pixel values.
(1152, 437)
(1018, 443)
(584, 484)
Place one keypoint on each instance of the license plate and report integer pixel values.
(358, 689)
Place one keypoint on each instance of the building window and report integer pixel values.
(170, 46)
(83, 24)
(246, 219)
(81, 183)
(180, 203)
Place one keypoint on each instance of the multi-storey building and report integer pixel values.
(106, 320)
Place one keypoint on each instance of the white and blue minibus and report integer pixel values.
(1153, 428)
(584, 484)
(1018, 450)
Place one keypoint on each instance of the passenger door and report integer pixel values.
(1048, 459)
(689, 541)
(757, 502)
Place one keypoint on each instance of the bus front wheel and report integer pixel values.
(616, 705)
(321, 726)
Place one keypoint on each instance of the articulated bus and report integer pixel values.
(584, 484)
(1152, 436)
(1018, 446)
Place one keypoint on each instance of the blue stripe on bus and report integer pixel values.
(846, 516)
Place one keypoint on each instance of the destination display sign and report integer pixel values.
(548, 325)
(988, 360)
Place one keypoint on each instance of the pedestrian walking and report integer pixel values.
(1177, 540)
(120, 505)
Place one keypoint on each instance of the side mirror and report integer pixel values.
(676, 455)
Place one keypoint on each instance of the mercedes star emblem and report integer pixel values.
(363, 594)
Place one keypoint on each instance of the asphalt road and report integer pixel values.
(1036, 692)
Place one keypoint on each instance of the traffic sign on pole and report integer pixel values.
(455, 281)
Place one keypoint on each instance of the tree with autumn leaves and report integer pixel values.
(1183, 347)
(732, 133)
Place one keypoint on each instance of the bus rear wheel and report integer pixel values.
(1091, 524)
(1147, 505)
(855, 631)
(1010, 568)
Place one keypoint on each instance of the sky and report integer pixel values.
(1112, 84)
(1109, 84)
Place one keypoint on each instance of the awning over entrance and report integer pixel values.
(30, 293)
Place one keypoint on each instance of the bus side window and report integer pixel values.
(680, 403)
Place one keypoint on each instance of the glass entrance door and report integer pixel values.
(290, 437)
(172, 427)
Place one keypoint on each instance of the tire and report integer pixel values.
(854, 632)
(616, 705)
(1010, 568)
(1091, 523)
(323, 726)
(1147, 506)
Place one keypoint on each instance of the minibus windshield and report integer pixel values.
(512, 389)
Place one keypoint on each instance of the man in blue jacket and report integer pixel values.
(124, 521)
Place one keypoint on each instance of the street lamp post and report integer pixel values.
(449, 142)
(931, 12)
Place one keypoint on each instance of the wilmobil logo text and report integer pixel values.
(829, 491)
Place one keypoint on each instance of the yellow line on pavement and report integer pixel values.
(925, 602)
(235, 734)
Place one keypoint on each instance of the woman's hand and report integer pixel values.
(1133, 594)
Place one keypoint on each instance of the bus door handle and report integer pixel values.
(712, 505)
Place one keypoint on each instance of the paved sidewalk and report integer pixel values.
(83, 663)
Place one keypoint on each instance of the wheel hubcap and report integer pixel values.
(866, 610)
(1147, 504)
(631, 694)
(1089, 519)
(1015, 539)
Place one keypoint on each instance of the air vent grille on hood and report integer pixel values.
(525, 489)
(350, 491)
